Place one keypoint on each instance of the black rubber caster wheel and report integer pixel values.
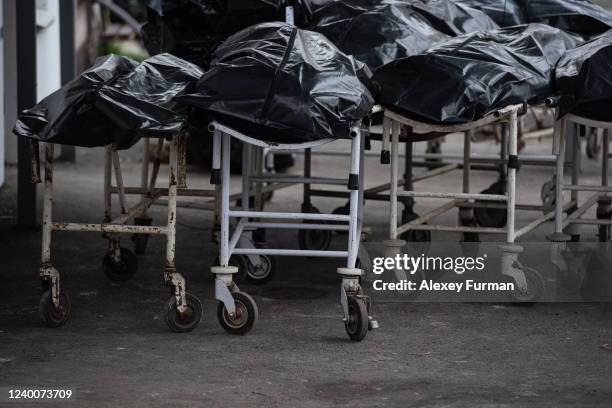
(246, 314)
(120, 270)
(141, 240)
(418, 240)
(492, 217)
(535, 287)
(549, 195)
(317, 240)
(593, 148)
(357, 324)
(186, 321)
(53, 316)
(262, 273)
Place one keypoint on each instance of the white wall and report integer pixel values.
(47, 47)
(48, 64)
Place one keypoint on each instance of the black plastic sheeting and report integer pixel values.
(192, 29)
(503, 12)
(473, 75)
(117, 101)
(584, 79)
(377, 35)
(578, 16)
(452, 18)
(281, 84)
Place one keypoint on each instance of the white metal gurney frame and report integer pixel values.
(237, 311)
(183, 311)
(566, 226)
(529, 283)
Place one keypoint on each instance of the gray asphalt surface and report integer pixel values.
(116, 351)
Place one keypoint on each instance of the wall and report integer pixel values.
(48, 64)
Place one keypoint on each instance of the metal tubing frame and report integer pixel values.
(229, 242)
(509, 115)
(563, 221)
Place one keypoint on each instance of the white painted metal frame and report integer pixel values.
(352, 222)
(391, 131)
(566, 224)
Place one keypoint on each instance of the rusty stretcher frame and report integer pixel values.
(567, 223)
(465, 200)
(188, 307)
(238, 311)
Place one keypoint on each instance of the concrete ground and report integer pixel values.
(116, 350)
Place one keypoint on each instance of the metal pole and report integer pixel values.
(47, 207)
(26, 98)
(395, 129)
(512, 151)
(225, 202)
(172, 198)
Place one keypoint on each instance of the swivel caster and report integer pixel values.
(141, 240)
(187, 320)
(245, 317)
(492, 217)
(122, 269)
(262, 272)
(51, 315)
(357, 323)
(549, 194)
(535, 287)
(593, 148)
(419, 240)
(317, 240)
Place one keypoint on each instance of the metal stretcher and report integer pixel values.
(567, 221)
(183, 310)
(529, 283)
(237, 312)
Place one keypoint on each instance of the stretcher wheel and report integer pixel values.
(357, 324)
(420, 238)
(593, 148)
(246, 314)
(186, 321)
(262, 273)
(535, 287)
(549, 194)
(141, 240)
(120, 270)
(492, 217)
(316, 240)
(53, 316)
